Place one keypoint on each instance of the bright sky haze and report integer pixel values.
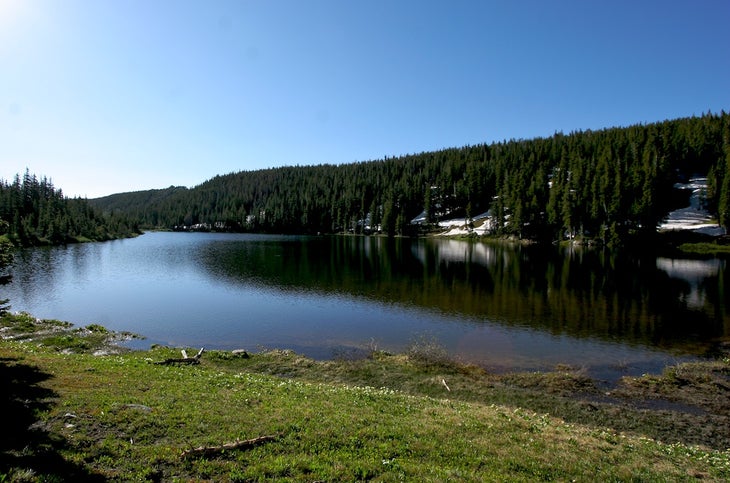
(108, 96)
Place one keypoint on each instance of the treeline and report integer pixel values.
(33, 212)
(609, 184)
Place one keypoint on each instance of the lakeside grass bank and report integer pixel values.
(80, 409)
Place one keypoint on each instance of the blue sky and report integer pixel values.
(106, 96)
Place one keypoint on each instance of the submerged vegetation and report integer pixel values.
(276, 415)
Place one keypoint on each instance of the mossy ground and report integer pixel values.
(76, 416)
(714, 249)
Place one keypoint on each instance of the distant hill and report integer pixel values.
(610, 184)
(138, 204)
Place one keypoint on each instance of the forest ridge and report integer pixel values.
(610, 184)
(34, 212)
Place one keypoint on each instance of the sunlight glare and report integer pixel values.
(10, 13)
(8, 7)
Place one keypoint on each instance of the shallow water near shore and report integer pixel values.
(503, 307)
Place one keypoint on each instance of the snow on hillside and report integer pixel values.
(458, 226)
(694, 217)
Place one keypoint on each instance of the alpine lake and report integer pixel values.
(503, 306)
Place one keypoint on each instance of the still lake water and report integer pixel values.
(503, 307)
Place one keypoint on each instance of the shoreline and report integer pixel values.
(129, 412)
(70, 337)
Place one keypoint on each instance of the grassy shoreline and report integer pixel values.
(79, 408)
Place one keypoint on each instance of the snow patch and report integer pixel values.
(479, 225)
(694, 217)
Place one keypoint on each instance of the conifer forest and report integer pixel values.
(609, 185)
(34, 212)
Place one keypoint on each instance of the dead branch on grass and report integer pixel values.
(185, 359)
(236, 445)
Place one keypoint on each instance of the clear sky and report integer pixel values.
(106, 96)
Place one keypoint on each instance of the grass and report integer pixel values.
(24, 323)
(414, 416)
(59, 334)
(705, 248)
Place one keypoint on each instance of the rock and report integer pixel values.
(140, 407)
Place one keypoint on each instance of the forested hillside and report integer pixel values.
(143, 205)
(608, 184)
(33, 212)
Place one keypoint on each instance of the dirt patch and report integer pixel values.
(701, 385)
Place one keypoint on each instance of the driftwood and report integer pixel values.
(184, 359)
(443, 381)
(238, 445)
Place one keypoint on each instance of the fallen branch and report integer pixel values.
(185, 359)
(238, 445)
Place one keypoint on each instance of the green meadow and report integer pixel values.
(81, 409)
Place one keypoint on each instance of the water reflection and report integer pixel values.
(695, 273)
(581, 293)
(500, 305)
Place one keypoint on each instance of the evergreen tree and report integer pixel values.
(723, 203)
(35, 212)
(721, 186)
(6, 258)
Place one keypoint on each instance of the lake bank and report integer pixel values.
(505, 308)
(121, 417)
